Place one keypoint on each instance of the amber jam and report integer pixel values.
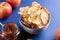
(9, 31)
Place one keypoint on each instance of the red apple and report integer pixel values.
(14, 3)
(57, 34)
(5, 10)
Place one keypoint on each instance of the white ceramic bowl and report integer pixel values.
(34, 30)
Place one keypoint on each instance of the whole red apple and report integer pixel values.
(57, 34)
(14, 3)
(5, 10)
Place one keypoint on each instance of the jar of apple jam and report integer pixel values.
(10, 31)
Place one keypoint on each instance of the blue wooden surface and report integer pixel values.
(53, 7)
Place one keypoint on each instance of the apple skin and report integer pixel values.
(14, 3)
(57, 34)
(5, 10)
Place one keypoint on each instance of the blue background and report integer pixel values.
(53, 7)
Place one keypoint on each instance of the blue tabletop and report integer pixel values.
(53, 7)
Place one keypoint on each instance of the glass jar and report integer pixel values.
(10, 31)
